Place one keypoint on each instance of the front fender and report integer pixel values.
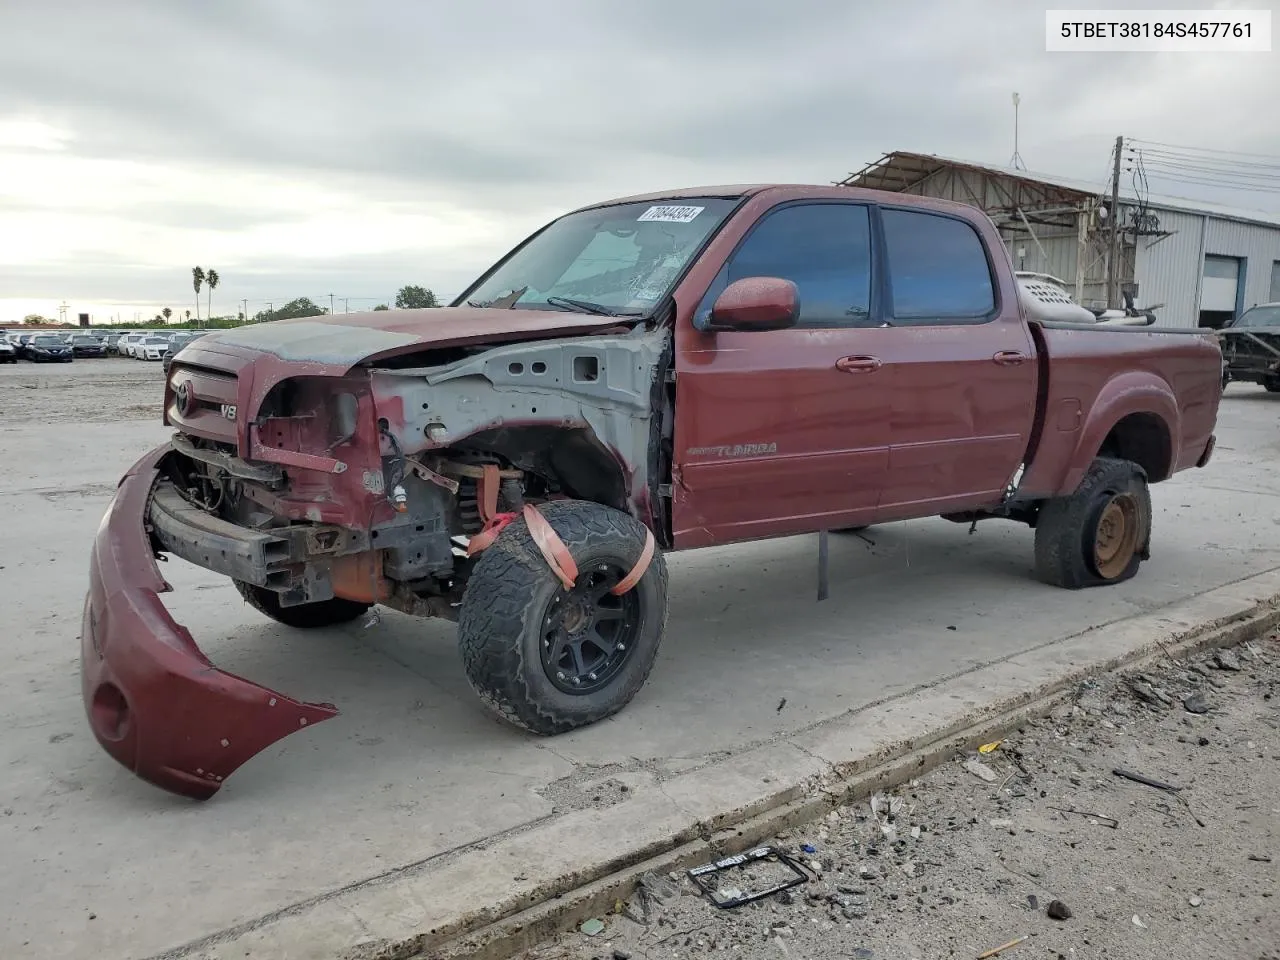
(1132, 392)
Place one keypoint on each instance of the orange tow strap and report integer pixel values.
(553, 549)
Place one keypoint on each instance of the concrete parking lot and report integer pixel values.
(413, 774)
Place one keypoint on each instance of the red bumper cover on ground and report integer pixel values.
(154, 701)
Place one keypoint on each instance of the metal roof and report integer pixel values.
(900, 169)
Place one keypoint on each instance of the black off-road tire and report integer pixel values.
(304, 616)
(1272, 385)
(511, 596)
(1070, 529)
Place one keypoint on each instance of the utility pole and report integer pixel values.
(245, 301)
(346, 304)
(331, 304)
(1113, 248)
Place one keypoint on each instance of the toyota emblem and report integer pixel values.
(185, 399)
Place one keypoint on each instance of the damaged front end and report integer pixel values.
(311, 480)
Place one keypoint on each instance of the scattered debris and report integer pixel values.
(1259, 858)
(996, 951)
(1195, 901)
(1196, 703)
(593, 927)
(1226, 660)
(989, 747)
(1057, 910)
(1137, 922)
(808, 848)
(661, 889)
(981, 771)
(1145, 780)
(1149, 694)
(781, 703)
(1097, 817)
(1033, 902)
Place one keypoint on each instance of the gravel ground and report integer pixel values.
(985, 850)
(95, 390)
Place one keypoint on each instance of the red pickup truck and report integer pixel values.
(644, 375)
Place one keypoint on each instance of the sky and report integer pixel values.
(326, 147)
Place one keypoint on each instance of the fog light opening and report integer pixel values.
(110, 712)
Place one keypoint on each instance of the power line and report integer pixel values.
(1208, 150)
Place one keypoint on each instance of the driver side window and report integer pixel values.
(823, 248)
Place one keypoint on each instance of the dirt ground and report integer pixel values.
(97, 390)
(983, 851)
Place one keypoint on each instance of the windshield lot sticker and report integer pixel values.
(671, 214)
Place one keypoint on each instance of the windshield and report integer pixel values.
(49, 342)
(623, 258)
(1259, 317)
(85, 339)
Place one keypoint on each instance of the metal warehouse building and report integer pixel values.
(1200, 263)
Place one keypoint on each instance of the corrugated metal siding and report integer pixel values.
(1059, 248)
(1168, 269)
(1259, 246)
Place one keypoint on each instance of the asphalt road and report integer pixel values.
(100, 864)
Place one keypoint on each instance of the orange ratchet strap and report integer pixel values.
(553, 549)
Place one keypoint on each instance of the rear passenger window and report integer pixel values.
(823, 248)
(938, 269)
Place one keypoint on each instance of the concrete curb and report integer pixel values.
(478, 904)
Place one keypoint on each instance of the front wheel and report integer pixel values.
(550, 659)
(303, 616)
(1272, 385)
(1101, 533)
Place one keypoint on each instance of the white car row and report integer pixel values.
(143, 346)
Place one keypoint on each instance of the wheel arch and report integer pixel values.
(1135, 417)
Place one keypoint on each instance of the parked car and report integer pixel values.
(1251, 347)
(86, 345)
(20, 344)
(176, 344)
(8, 352)
(112, 340)
(151, 348)
(128, 344)
(658, 373)
(46, 348)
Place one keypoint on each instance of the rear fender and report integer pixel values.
(1133, 392)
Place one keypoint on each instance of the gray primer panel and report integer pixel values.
(314, 342)
(487, 390)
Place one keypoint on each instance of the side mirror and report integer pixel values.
(756, 303)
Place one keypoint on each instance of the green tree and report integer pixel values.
(188, 313)
(301, 307)
(33, 319)
(167, 314)
(413, 297)
(382, 306)
(211, 278)
(197, 280)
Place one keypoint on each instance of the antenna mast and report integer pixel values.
(1016, 161)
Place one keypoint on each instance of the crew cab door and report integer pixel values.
(784, 431)
(959, 361)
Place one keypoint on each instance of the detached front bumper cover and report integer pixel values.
(154, 701)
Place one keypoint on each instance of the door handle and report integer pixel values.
(858, 364)
(1010, 358)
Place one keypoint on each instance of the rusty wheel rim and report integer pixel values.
(1115, 541)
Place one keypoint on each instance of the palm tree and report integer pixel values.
(197, 278)
(167, 314)
(211, 278)
(188, 312)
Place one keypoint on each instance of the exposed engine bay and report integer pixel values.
(371, 486)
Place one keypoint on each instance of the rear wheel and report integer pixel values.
(550, 659)
(304, 616)
(1101, 533)
(1272, 385)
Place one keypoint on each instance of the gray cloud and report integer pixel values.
(522, 109)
